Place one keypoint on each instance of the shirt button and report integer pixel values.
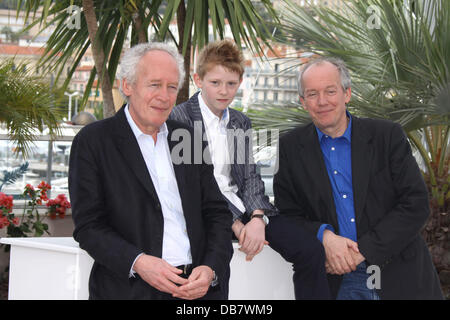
(352, 220)
(335, 172)
(344, 196)
(333, 148)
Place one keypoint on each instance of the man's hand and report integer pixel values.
(356, 256)
(338, 252)
(197, 284)
(159, 274)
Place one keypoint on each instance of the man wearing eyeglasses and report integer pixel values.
(354, 184)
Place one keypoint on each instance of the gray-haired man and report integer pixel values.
(155, 229)
(354, 183)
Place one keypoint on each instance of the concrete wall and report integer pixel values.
(57, 228)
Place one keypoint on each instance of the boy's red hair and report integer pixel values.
(224, 53)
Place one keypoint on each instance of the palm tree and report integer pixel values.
(26, 105)
(399, 56)
(106, 23)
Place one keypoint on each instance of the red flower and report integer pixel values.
(44, 186)
(3, 222)
(58, 206)
(6, 202)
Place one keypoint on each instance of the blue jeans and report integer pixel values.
(354, 286)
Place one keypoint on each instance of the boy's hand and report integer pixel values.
(252, 237)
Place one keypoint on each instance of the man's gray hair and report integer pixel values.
(131, 58)
(346, 81)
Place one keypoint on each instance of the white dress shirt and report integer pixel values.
(216, 131)
(176, 246)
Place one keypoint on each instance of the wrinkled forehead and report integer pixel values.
(157, 58)
(158, 62)
(323, 71)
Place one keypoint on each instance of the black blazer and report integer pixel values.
(390, 200)
(117, 213)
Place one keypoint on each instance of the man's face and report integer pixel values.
(153, 95)
(325, 99)
(219, 86)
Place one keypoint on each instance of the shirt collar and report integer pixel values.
(136, 131)
(347, 134)
(208, 114)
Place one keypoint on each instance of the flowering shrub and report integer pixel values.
(58, 206)
(31, 221)
(6, 205)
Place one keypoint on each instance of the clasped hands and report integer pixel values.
(342, 254)
(166, 278)
(251, 236)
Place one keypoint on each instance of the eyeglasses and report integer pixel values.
(314, 95)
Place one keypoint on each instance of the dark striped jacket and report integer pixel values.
(243, 171)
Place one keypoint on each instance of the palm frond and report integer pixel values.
(400, 69)
(11, 176)
(27, 105)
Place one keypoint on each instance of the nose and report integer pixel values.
(164, 94)
(322, 100)
(223, 89)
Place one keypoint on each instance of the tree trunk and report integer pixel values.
(99, 59)
(183, 94)
(141, 32)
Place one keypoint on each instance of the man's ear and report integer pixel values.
(348, 95)
(198, 81)
(127, 87)
(302, 102)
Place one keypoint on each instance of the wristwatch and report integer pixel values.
(215, 280)
(263, 217)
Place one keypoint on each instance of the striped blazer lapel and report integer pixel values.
(193, 109)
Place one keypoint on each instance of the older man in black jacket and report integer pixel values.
(156, 229)
(355, 184)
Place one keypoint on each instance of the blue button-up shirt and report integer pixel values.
(337, 154)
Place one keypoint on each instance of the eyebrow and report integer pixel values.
(221, 80)
(159, 81)
(329, 87)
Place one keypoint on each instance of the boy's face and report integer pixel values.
(219, 86)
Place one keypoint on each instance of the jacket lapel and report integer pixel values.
(361, 165)
(129, 148)
(315, 165)
(232, 142)
(193, 109)
(179, 169)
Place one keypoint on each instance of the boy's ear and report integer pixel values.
(198, 81)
